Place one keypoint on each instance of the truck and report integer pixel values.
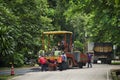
(50, 41)
(103, 52)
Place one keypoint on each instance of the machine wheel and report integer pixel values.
(70, 63)
(80, 65)
(84, 64)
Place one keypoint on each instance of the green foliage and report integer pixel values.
(117, 3)
(21, 23)
(104, 20)
(18, 60)
(78, 45)
(115, 63)
(100, 20)
(7, 41)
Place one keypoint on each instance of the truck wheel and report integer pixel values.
(70, 63)
(80, 65)
(108, 61)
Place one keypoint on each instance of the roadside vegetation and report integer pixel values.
(6, 77)
(115, 62)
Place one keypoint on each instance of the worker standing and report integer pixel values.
(89, 60)
(64, 61)
(43, 62)
(59, 60)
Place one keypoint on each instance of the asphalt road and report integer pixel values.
(98, 72)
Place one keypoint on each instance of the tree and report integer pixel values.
(104, 18)
(21, 23)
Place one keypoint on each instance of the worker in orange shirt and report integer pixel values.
(59, 60)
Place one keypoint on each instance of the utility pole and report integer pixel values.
(86, 43)
(114, 48)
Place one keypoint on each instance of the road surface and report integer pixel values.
(98, 72)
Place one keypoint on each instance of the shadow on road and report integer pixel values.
(37, 69)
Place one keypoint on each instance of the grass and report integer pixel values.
(115, 62)
(4, 68)
(24, 66)
(6, 77)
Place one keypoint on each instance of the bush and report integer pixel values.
(18, 60)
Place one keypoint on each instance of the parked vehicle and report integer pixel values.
(52, 51)
(103, 52)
